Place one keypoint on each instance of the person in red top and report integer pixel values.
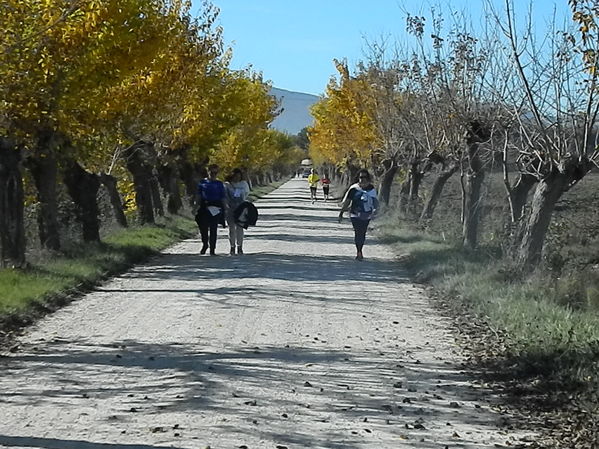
(326, 184)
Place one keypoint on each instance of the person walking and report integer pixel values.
(362, 202)
(237, 190)
(213, 205)
(313, 179)
(326, 185)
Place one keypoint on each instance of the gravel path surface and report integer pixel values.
(292, 345)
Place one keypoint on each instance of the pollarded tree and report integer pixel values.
(555, 124)
(27, 86)
(156, 26)
(451, 76)
(153, 140)
(391, 106)
(67, 55)
(344, 131)
(12, 227)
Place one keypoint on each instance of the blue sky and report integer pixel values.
(293, 42)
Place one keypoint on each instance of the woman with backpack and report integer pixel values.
(362, 202)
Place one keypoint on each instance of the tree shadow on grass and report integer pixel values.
(547, 378)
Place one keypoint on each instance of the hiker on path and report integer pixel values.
(326, 185)
(313, 179)
(213, 206)
(237, 190)
(362, 202)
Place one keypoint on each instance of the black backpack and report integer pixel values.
(246, 214)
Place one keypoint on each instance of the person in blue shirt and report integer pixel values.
(362, 202)
(212, 208)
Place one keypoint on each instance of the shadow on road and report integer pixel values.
(341, 382)
(55, 443)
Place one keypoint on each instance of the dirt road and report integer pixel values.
(294, 344)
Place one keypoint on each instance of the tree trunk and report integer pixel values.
(142, 181)
(404, 196)
(386, 182)
(44, 169)
(519, 195)
(546, 195)
(352, 173)
(345, 179)
(110, 182)
(437, 189)
(83, 189)
(169, 183)
(190, 181)
(472, 202)
(416, 177)
(12, 224)
(156, 198)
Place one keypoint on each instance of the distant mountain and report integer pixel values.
(296, 110)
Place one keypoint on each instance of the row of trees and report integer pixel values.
(120, 93)
(466, 102)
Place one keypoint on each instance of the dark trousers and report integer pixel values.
(208, 225)
(360, 227)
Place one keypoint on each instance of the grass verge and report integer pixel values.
(46, 283)
(524, 330)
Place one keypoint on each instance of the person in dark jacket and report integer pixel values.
(213, 206)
